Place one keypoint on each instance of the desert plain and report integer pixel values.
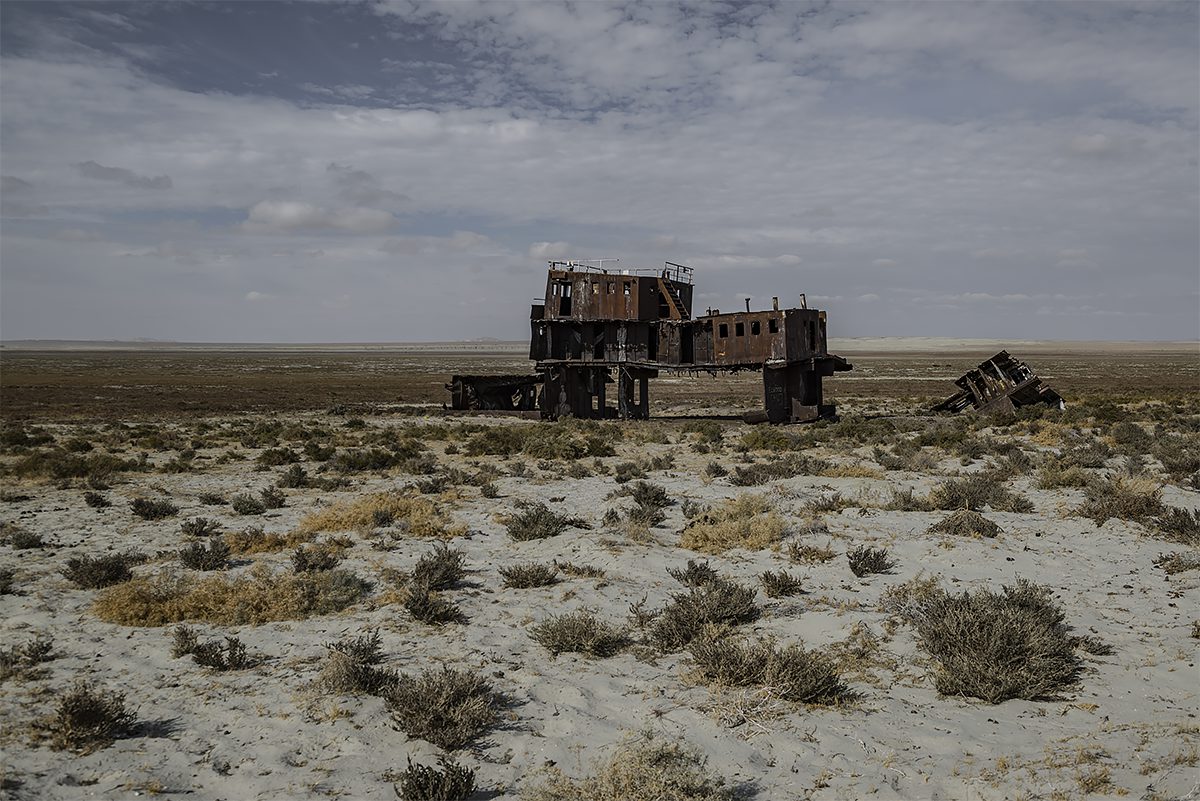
(289, 573)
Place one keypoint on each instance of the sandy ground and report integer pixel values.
(1128, 728)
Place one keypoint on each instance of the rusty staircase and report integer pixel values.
(674, 302)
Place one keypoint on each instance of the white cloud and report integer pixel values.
(544, 251)
(269, 216)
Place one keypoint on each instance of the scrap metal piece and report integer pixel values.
(495, 392)
(1000, 384)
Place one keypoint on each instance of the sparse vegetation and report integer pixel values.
(427, 606)
(252, 598)
(808, 554)
(1122, 498)
(965, 523)
(1174, 563)
(533, 520)
(440, 569)
(315, 558)
(976, 492)
(579, 632)
(748, 521)
(245, 504)
(716, 602)
(201, 556)
(530, 574)
(1180, 526)
(352, 666)
(447, 707)
(449, 781)
(415, 515)
(20, 538)
(199, 527)
(94, 572)
(96, 500)
(23, 661)
(996, 646)
(221, 656)
(780, 584)
(796, 675)
(639, 769)
(88, 719)
(149, 509)
(865, 560)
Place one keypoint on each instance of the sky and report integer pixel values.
(402, 171)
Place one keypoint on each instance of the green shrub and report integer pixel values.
(1179, 525)
(199, 556)
(965, 523)
(245, 504)
(440, 569)
(717, 602)
(975, 492)
(1122, 498)
(96, 500)
(780, 584)
(428, 606)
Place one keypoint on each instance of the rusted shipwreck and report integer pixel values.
(596, 328)
(1000, 384)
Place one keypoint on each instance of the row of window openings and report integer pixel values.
(739, 329)
(565, 289)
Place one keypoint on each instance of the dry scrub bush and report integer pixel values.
(96, 500)
(780, 584)
(865, 561)
(229, 655)
(579, 632)
(696, 574)
(828, 503)
(440, 569)
(716, 602)
(748, 521)
(579, 571)
(1122, 498)
(1055, 475)
(88, 719)
(420, 517)
(94, 572)
(449, 781)
(427, 606)
(530, 574)
(1181, 526)
(906, 500)
(253, 539)
(809, 554)
(965, 523)
(352, 667)
(148, 509)
(7, 575)
(246, 504)
(1177, 563)
(638, 770)
(22, 661)
(253, 598)
(785, 467)
(794, 674)
(447, 707)
(533, 520)
(199, 556)
(20, 538)
(996, 646)
(200, 527)
(316, 558)
(975, 492)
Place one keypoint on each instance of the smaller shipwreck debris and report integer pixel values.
(1000, 384)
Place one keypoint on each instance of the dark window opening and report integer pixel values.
(612, 288)
(724, 330)
(773, 325)
(626, 283)
(739, 329)
(595, 287)
(812, 336)
(755, 328)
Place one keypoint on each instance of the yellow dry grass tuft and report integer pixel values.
(255, 597)
(254, 540)
(850, 471)
(748, 521)
(420, 517)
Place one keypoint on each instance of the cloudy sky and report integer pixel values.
(392, 171)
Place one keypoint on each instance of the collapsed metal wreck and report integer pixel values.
(1000, 384)
(596, 327)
